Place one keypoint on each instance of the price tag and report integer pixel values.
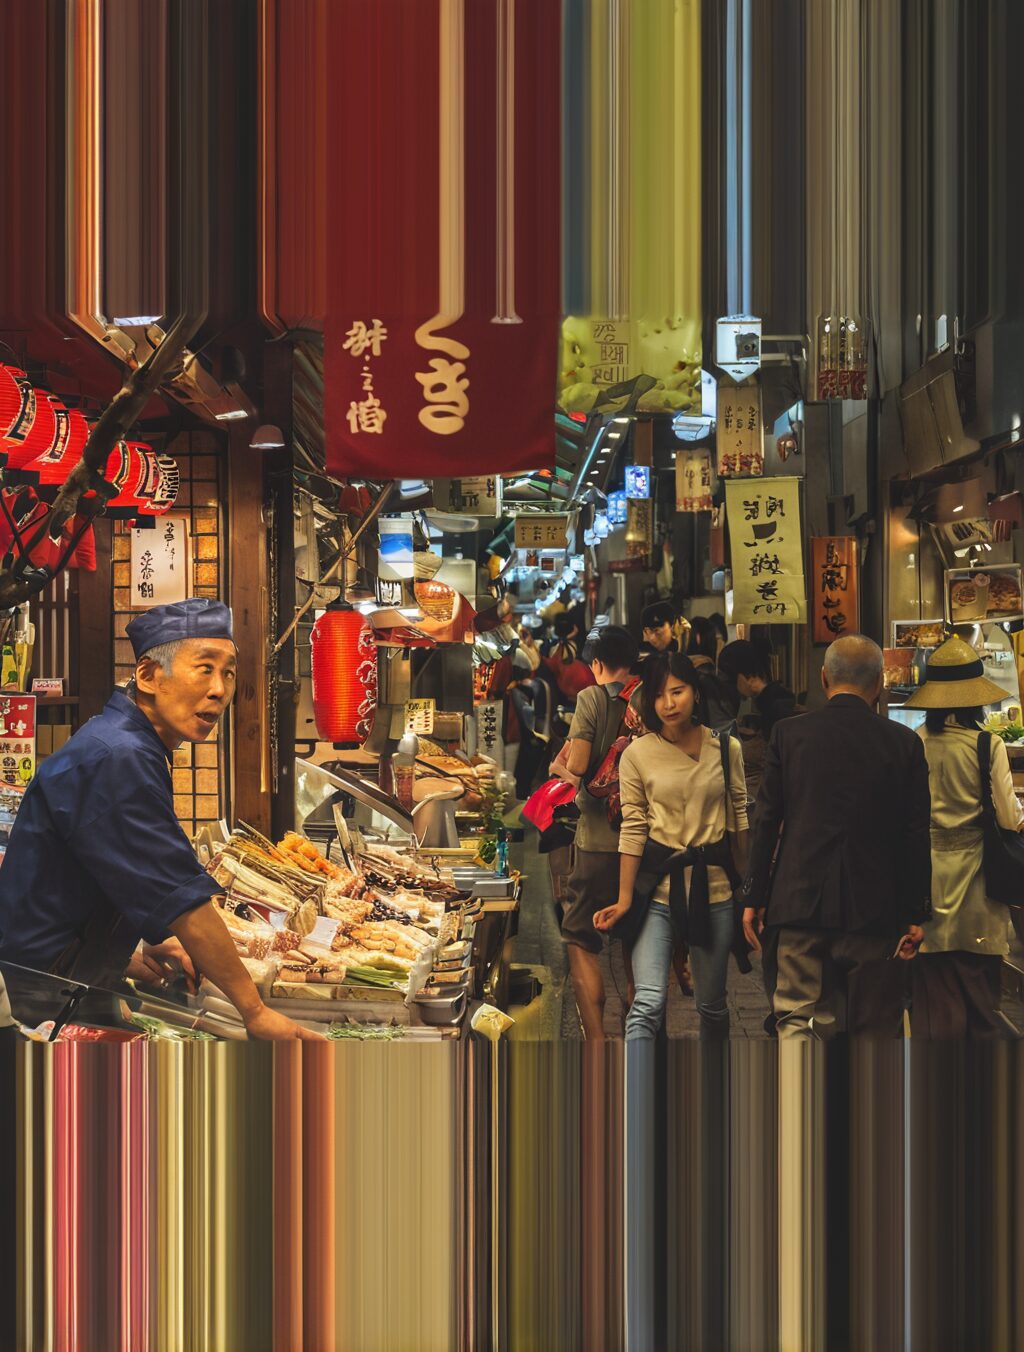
(419, 716)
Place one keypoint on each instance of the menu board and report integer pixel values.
(17, 738)
(767, 551)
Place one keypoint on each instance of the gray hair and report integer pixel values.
(163, 654)
(854, 660)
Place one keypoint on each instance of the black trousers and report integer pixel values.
(957, 995)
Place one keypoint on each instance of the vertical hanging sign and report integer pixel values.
(160, 563)
(767, 551)
(443, 272)
(835, 587)
(740, 431)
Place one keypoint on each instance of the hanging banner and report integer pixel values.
(841, 350)
(693, 481)
(160, 559)
(740, 432)
(766, 547)
(835, 587)
(443, 179)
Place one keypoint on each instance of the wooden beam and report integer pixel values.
(248, 586)
(96, 627)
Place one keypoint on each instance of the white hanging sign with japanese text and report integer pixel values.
(766, 546)
(160, 561)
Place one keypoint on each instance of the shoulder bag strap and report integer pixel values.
(724, 740)
(985, 766)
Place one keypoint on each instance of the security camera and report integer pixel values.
(748, 346)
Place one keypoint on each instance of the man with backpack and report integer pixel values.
(599, 720)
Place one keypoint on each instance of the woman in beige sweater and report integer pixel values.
(676, 867)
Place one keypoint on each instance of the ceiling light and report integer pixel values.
(134, 321)
(231, 415)
(267, 438)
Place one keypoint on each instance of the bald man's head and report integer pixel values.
(853, 665)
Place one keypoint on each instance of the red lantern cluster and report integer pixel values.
(339, 694)
(41, 441)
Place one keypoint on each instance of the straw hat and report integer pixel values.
(955, 679)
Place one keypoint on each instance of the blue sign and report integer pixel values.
(638, 481)
(617, 508)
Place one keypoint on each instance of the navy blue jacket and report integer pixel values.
(97, 859)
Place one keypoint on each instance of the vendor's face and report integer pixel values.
(187, 702)
(674, 705)
(659, 637)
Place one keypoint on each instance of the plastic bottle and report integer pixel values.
(405, 769)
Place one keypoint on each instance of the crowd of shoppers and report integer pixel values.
(865, 838)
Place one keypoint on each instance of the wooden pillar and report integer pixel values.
(96, 628)
(249, 582)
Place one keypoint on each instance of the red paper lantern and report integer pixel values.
(72, 434)
(146, 483)
(34, 428)
(339, 694)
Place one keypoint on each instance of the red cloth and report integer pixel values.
(570, 674)
(28, 511)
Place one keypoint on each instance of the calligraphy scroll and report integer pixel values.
(443, 161)
(835, 587)
(767, 551)
(160, 560)
(740, 429)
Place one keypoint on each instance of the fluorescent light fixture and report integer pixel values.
(134, 321)
(232, 415)
(959, 509)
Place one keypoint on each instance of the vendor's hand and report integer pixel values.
(270, 1026)
(753, 924)
(910, 943)
(157, 964)
(610, 916)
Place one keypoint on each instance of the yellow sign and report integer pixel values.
(539, 530)
(766, 546)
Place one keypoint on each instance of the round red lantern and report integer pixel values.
(339, 694)
(34, 428)
(146, 483)
(53, 468)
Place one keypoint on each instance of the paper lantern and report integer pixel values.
(53, 468)
(146, 483)
(338, 691)
(34, 427)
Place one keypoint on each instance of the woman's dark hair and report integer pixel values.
(654, 616)
(935, 719)
(719, 625)
(703, 640)
(565, 623)
(657, 670)
(743, 658)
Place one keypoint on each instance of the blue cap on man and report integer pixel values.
(198, 617)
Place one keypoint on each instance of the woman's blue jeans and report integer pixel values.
(652, 968)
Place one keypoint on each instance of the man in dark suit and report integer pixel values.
(843, 811)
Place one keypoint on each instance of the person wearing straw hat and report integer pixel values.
(957, 977)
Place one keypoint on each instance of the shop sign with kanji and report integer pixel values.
(835, 587)
(17, 738)
(542, 530)
(160, 560)
(740, 429)
(488, 729)
(693, 481)
(766, 548)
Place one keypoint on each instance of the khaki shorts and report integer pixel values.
(593, 885)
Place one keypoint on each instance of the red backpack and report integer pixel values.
(604, 782)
